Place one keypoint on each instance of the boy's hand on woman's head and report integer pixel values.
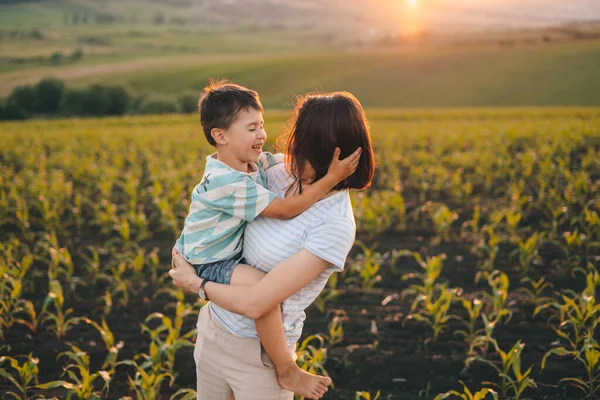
(341, 169)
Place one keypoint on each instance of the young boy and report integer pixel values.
(233, 192)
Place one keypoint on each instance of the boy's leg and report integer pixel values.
(272, 335)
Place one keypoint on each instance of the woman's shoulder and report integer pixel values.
(335, 210)
(278, 179)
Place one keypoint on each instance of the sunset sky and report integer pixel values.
(491, 14)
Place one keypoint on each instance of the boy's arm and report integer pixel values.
(292, 206)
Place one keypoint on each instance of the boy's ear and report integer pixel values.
(218, 135)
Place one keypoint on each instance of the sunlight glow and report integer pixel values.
(412, 3)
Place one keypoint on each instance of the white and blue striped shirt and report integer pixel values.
(222, 203)
(327, 230)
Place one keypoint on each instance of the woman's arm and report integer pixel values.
(254, 301)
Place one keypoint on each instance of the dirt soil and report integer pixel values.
(400, 360)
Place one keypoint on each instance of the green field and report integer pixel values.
(480, 234)
(284, 56)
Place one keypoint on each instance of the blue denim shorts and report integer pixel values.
(219, 271)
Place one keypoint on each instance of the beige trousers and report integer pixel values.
(229, 365)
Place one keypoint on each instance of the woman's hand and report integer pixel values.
(183, 274)
(342, 169)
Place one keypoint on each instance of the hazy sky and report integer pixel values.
(496, 13)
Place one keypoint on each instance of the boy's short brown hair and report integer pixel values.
(221, 103)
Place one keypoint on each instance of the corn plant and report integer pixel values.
(312, 358)
(427, 280)
(167, 337)
(336, 331)
(467, 394)
(24, 376)
(367, 266)
(367, 396)
(434, 311)
(148, 379)
(470, 229)
(535, 290)
(471, 332)
(443, 218)
(60, 263)
(572, 245)
(499, 284)
(590, 221)
(510, 361)
(13, 308)
(93, 267)
(579, 313)
(528, 251)
(487, 248)
(589, 356)
(109, 341)
(58, 321)
(184, 394)
(329, 292)
(82, 382)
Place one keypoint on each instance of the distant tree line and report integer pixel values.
(50, 98)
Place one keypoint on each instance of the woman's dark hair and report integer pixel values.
(221, 103)
(324, 122)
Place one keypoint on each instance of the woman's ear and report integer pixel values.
(218, 135)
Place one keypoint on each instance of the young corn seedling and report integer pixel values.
(487, 248)
(470, 228)
(23, 378)
(434, 311)
(330, 292)
(109, 341)
(557, 216)
(579, 313)
(500, 284)
(442, 218)
(93, 267)
(336, 331)
(14, 309)
(482, 342)
(60, 263)
(572, 245)
(148, 379)
(467, 394)
(82, 381)
(312, 358)
(367, 396)
(535, 290)
(510, 361)
(589, 356)
(367, 265)
(167, 337)
(470, 333)
(428, 278)
(528, 251)
(184, 394)
(59, 322)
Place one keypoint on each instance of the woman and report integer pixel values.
(299, 255)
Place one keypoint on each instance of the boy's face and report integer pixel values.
(246, 135)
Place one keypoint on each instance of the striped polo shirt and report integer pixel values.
(222, 203)
(327, 230)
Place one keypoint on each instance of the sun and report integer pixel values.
(412, 3)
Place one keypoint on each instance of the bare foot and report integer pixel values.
(303, 383)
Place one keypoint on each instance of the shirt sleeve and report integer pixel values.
(267, 160)
(331, 239)
(248, 199)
